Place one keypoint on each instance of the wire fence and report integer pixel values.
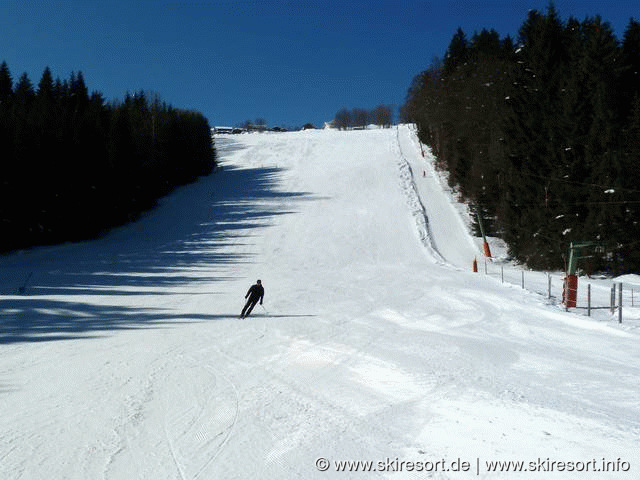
(605, 299)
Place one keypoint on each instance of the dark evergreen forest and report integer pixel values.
(542, 136)
(73, 165)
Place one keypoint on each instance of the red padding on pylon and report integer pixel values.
(570, 291)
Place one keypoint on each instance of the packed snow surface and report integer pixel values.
(124, 357)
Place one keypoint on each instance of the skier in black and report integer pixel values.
(255, 293)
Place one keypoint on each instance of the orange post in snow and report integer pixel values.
(485, 246)
(486, 250)
(474, 265)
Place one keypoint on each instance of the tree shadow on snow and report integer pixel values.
(195, 237)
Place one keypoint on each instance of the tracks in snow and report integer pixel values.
(418, 211)
(186, 415)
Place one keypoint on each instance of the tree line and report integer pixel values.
(361, 117)
(542, 136)
(73, 165)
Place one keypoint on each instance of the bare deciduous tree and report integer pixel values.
(342, 121)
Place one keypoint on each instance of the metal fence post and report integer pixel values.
(620, 303)
(522, 278)
(588, 300)
(549, 286)
(502, 273)
(613, 297)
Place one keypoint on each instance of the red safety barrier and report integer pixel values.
(570, 291)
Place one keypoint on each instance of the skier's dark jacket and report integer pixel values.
(256, 292)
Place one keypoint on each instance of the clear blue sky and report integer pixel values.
(289, 62)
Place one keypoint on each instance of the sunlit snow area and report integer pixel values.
(125, 358)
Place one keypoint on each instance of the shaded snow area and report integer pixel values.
(124, 357)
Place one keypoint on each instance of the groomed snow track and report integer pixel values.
(124, 357)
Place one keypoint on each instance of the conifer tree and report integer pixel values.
(23, 95)
(7, 160)
(630, 247)
(6, 84)
(534, 141)
(457, 52)
(630, 76)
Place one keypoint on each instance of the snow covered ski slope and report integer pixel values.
(124, 358)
